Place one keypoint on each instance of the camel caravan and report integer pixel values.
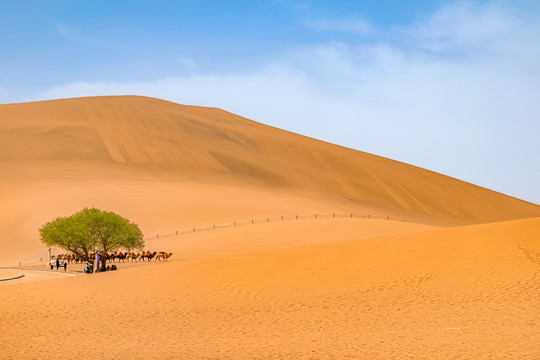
(120, 256)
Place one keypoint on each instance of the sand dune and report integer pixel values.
(324, 288)
(469, 292)
(165, 165)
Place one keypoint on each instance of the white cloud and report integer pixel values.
(494, 27)
(473, 116)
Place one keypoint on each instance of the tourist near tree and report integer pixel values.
(91, 230)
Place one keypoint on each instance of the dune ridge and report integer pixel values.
(200, 142)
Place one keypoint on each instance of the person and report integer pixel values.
(65, 265)
(57, 264)
(108, 267)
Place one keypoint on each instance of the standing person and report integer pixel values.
(57, 264)
(65, 265)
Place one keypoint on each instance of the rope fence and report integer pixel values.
(268, 220)
(252, 222)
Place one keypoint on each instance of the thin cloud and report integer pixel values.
(473, 27)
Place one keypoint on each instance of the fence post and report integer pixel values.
(281, 217)
(268, 220)
(176, 232)
(389, 218)
(315, 216)
(333, 215)
(351, 216)
(368, 217)
(234, 223)
(296, 217)
(252, 222)
(193, 229)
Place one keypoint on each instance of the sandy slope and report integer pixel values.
(165, 165)
(326, 288)
(468, 292)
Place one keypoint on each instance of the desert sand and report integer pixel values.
(452, 272)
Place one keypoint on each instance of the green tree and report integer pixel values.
(91, 230)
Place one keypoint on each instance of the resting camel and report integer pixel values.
(163, 255)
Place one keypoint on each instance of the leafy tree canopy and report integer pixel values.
(91, 230)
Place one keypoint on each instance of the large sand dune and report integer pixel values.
(344, 287)
(165, 165)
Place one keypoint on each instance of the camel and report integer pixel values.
(132, 256)
(142, 256)
(119, 255)
(148, 255)
(65, 257)
(163, 255)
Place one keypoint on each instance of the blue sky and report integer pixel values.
(451, 86)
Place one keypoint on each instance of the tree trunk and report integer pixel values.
(103, 261)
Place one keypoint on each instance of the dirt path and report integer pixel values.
(11, 276)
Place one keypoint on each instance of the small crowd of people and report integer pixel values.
(59, 263)
(89, 269)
